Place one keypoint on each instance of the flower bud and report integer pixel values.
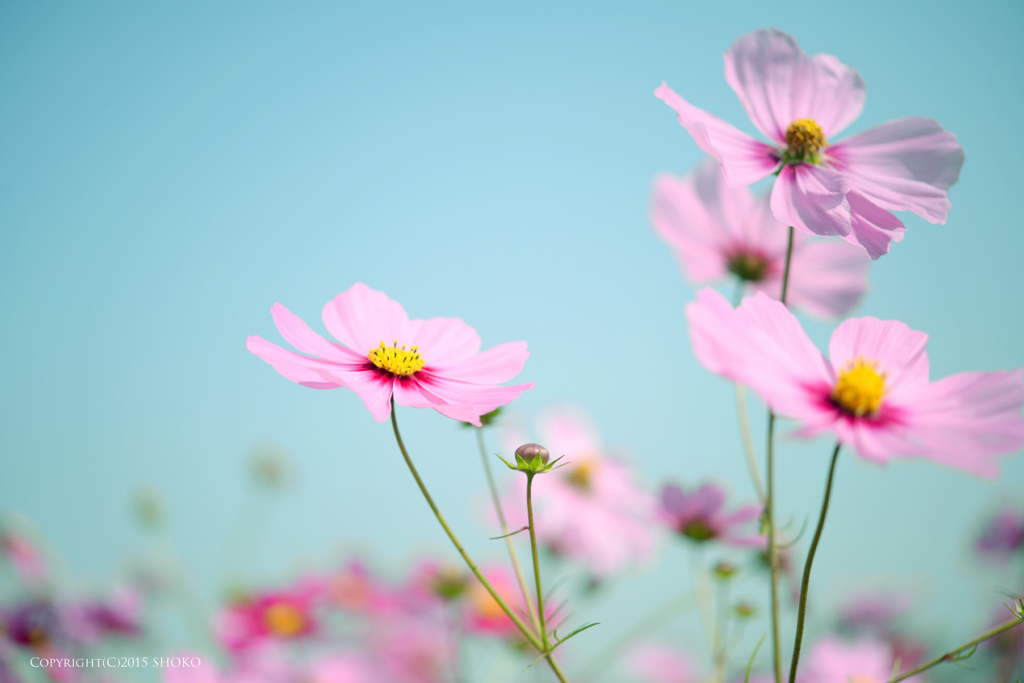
(724, 570)
(744, 610)
(529, 451)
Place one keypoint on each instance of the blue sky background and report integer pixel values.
(168, 173)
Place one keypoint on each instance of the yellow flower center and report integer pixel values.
(805, 139)
(860, 389)
(484, 604)
(397, 359)
(284, 620)
(582, 475)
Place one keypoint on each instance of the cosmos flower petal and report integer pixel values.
(361, 318)
(375, 389)
(298, 334)
(443, 341)
(682, 215)
(812, 198)
(296, 367)
(568, 432)
(827, 277)
(760, 344)
(778, 84)
(898, 350)
(495, 365)
(906, 164)
(873, 227)
(744, 160)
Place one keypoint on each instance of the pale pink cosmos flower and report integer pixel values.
(482, 615)
(873, 395)
(24, 556)
(433, 363)
(659, 664)
(800, 103)
(701, 516)
(262, 618)
(591, 510)
(835, 661)
(717, 231)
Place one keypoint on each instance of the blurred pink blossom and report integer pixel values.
(716, 231)
(272, 615)
(433, 363)
(659, 664)
(832, 660)
(591, 510)
(1004, 534)
(24, 557)
(843, 188)
(874, 394)
(700, 516)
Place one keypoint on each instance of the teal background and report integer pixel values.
(168, 173)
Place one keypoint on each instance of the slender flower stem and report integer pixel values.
(748, 440)
(536, 561)
(951, 655)
(504, 530)
(789, 261)
(802, 609)
(773, 556)
(530, 636)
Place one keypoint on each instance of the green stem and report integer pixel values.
(785, 272)
(773, 558)
(536, 562)
(951, 655)
(455, 541)
(805, 582)
(504, 530)
(748, 440)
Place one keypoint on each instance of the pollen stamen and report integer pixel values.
(860, 389)
(396, 360)
(804, 140)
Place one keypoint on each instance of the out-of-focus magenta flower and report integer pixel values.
(1004, 534)
(266, 617)
(24, 557)
(483, 615)
(700, 516)
(874, 394)
(341, 668)
(414, 651)
(843, 188)
(832, 660)
(659, 664)
(591, 510)
(119, 614)
(33, 624)
(433, 363)
(716, 231)
(873, 613)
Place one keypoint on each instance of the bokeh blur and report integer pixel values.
(170, 171)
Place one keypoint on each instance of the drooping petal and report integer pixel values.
(778, 84)
(361, 318)
(443, 341)
(812, 198)
(455, 392)
(744, 160)
(760, 344)
(375, 389)
(873, 227)
(296, 367)
(299, 335)
(906, 164)
(898, 351)
(495, 365)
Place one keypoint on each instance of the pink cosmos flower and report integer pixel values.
(338, 668)
(433, 363)
(874, 394)
(834, 661)
(659, 664)
(843, 188)
(24, 556)
(269, 616)
(483, 615)
(590, 511)
(1004, 535)
(873, 612)
(716, 230)
(701, 516)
